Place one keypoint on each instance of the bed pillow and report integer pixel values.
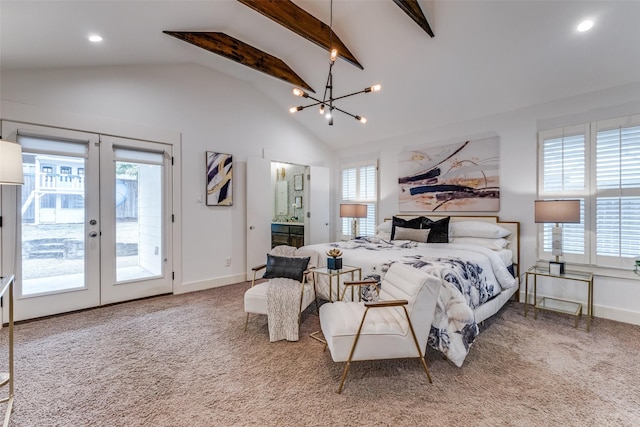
(286, 267)
(495, 244)
(414, 234)
(385, 227)
(405, 223)
(383, 236)
(439, 230)
(477, 229)
(414, 223)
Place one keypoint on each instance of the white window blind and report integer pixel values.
(598, 163)
(618, 193)
(564, 177)
(360, 185)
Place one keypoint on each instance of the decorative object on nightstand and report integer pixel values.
(10, 174)
(354, 212)
(334, 262)
(558, 211)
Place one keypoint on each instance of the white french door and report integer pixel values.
(92, 222)
(135, 243)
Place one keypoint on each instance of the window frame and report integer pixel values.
(372, 203)
(589, 194)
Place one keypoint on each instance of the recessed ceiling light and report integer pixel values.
(95, 38)
(585, 25)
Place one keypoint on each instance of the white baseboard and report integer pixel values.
(208, 284)
(611, 313)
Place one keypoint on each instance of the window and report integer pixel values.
(598, 163)
(359, 184)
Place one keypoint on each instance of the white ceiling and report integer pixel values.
(487, 56)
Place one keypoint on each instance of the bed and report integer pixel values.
(476, 257)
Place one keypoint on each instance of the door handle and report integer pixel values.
(93, 222)
(251, 227)
(93, 234)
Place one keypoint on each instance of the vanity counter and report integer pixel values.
(287, 233)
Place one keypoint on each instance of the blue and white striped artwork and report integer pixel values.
(219, 179)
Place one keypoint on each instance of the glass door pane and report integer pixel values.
(138, 220)
(53, 223)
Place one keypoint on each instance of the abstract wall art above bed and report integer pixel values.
(464, 176)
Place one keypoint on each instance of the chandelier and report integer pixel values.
(327, 103)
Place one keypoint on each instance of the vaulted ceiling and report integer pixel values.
(486, 57)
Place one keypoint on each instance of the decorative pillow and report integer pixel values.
(417, 235)
(495, 244)
(385, 227)
(439, 230)
(477, 229)
(415, 223)
(287, 267)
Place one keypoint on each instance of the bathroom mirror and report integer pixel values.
(282, 198)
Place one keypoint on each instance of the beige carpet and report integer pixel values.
(185, 361)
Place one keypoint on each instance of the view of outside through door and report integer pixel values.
(53, 222)
(53, 228)
(138, 221)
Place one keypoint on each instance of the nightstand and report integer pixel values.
(555, 304)
(346, 269)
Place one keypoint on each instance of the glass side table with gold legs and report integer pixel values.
(555, 304)
(324, 271)
(347, 269)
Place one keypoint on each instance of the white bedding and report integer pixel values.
(471, 275)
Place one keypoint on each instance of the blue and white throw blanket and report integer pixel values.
(471, 275)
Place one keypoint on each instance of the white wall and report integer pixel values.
(614, 298)
(208, 110)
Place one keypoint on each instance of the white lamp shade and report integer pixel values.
(353, 211)
(558, 211)
(10, 163)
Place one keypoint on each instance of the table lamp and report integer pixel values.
(557, 211)
(353, 211)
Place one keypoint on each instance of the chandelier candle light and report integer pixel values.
(327, 103)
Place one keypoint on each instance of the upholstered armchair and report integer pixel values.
(396, 326)
(287, 293)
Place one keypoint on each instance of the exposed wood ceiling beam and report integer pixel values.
(412, 8)
(290, 16)
(238, 51)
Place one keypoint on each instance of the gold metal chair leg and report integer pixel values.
(344, 376)
(415, 340)
(353, 349)
(246, 322)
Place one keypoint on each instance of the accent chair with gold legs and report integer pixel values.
(396, 326)
(290, 288)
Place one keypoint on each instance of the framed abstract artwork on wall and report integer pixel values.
(219, 179)
(464, 176)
